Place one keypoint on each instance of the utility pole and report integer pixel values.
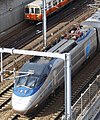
(1, 68)
(44, 25)
(67, 81)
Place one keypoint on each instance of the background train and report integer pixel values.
(34, 10)
(39, 77)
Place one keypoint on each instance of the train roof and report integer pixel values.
(78, 33)
(61, 46)
(94, 20)
(54, 48)
(95, 17)
(30, 67)
(38, 2)
(64, 47)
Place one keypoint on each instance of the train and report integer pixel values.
(34, 10)
(40, 76)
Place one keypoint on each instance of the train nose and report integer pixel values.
(20, 104)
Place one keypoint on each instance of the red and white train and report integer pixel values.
(33, 10)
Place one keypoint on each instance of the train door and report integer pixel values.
(49, 8)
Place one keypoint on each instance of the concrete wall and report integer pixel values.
(11, 12)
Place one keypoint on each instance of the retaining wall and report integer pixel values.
(11, 13)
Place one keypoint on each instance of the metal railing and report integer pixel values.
(86, 100)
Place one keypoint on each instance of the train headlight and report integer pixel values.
(25, 91)
(27, 16)
(50, 65)
(38, 17)
(21, 91)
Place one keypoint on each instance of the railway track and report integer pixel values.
(5, 97)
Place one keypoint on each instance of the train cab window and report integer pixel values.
(37, 11)
(21, 81)
(32, 10)
(26, 10)
(32, 81)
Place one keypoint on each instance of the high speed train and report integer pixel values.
(39, 77)
(33, 10)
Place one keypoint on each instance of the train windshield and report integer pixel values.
(32, 10)
(35, 10)
(27, 80)
(26, 10)
(33, 79)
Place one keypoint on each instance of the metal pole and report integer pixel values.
(44, 24)
(67, 77)
(81, 103)
(90, 94)
(14, 70)
(1, 68)
(69, 85)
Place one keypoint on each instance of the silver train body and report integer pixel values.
(46, 74)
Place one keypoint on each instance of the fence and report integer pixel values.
(86, 100)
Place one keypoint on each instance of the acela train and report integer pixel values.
(39, 77)
(33, 10)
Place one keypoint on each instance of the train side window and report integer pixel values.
(59, 1)
(49, 5)
(32, 10)
(37, 11)
(54, 2)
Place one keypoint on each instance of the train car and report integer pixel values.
(94, 21)
(39, 77)
(34, 10)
